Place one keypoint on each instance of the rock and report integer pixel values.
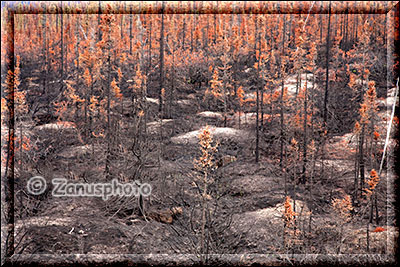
(152, 100)
(166, 215)
(210, 114)
(225, 160)
(217, 133)
(59, 125)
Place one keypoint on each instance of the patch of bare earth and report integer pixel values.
(217, 133)
(155, 126)
(76, 227)
(262, 230)
(210, 114)
(380, 242)
(291, 83)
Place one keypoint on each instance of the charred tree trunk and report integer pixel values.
(325, 112)
(303, 175)
(257, 39)
(361, 163)
(45, 65)
(62, 48)
(193, 27)
(66, 50)
(160, 97)
(282, 91)
(183, 32)
(327, 69)
(98, 23)
(9, 168)
(109, 134)
(78, 41)
(130, 30)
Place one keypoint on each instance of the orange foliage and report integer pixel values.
(352, 81)
(364, 114)
(116, 90)
(87, 77)
(255, 66)
(205, 162)
(343, 207)
(140, 79)
(26, 144)
(119, 74)
(376, 135)
(100, 134)
(289, 214)
(357, 127)
(395, 120)
(163, 93)
(379, 229)
(240, 95)
(93, 103)
(60, 108)
(216, 86)
(294, 144)
(372, 182)
(70, 93)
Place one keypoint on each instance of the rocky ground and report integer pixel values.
(250, 200)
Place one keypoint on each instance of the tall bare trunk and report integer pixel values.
(62, 47)
(257, 39)
(303, 177)
(160, 98)
(9, 170)
(282, 91)
(109, 134)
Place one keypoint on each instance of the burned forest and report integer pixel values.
(198, 132)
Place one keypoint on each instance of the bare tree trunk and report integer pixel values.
(193, 27)
(66, 50)
(109, 134)
(215, 28)
(130, 30)
(225, 103)
(355, 34)
(203, 220)
(62, 47)
(161, 61)
(150, 45)
(368, 222)
(282, 91)
(320, 25)
(346, 30)
(312, 103)
(45, 65)
(256, 38)
(9, 168)
(361, 157)
(325, 113)
(78, 40)
(171, 94)
(262, 102)
(122, 23)
(98, 23)
(327, 69)
(183, 32)
(303, 177)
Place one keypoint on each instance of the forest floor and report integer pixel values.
(251, 195)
